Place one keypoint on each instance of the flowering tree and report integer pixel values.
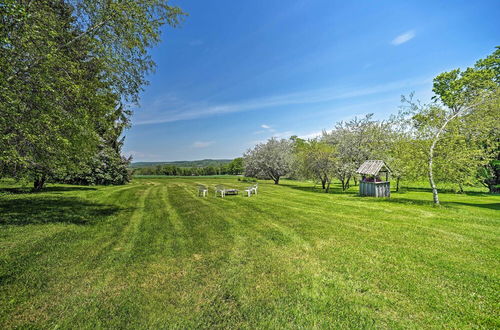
(316, 160)
(272, 159)
(355, 141)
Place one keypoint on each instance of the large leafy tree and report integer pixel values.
(235, 166)
(461, 95)
(108, 165)
(459, 131)
(50, 110)
(66, 67)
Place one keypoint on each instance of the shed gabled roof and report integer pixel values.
(372, 167)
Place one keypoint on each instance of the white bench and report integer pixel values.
(219, 189)
(202, 190)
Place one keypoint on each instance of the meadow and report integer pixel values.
(151, 254)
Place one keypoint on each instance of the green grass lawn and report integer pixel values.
(153, 254)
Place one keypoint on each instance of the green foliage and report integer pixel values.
(457, 89)
(316, 160)
(108, 167)
(66, 68)
(233, 167)
(236, 167)
(184, 163)
(459, 136)
(247, 179)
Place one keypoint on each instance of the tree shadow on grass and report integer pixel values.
(395, 200)
(445, 191)
(28, 190)
(491, 206)
(317, 189)
(45, 210)
(408, 201)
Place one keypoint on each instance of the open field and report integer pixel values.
(152, 254)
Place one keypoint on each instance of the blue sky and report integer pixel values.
(239, 72)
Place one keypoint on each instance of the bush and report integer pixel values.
(247, 179)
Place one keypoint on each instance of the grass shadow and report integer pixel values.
(491, 206)
(45, 210)
(28, 190)
(396, 200)
(334, 189)
(445, 191)
(411, 201)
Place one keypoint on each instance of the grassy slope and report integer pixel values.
(153, 254)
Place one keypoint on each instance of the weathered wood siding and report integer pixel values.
(375, 189)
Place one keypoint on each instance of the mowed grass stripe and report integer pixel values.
(154, 255)
(420, 257)
(274, 272)
(54, 266)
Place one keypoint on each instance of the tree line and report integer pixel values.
(235, 167)
(453, 139)
(69, 71)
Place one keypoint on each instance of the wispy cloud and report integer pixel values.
(159, 112)
(202, 144)
(266, 129)
(402, 38)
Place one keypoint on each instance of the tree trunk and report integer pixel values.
(277, 180)
(39, 183)
(327, 187)
(435, 195)
(355, 181)
(397, 184)
(323, 183)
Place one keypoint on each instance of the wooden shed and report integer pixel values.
(371, 184)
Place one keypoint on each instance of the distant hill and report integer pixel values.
(184, 163)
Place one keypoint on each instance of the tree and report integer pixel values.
(407, 152)
(460, 93)
(272, 159)
(107, 166)
(48, 112)
(356, 141)
(483, 126)
(316, 160)
(235, 167)
(65, 66)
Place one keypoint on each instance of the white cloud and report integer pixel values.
(202, 144)
(266, 129)
(402, 38)
(160, 113)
